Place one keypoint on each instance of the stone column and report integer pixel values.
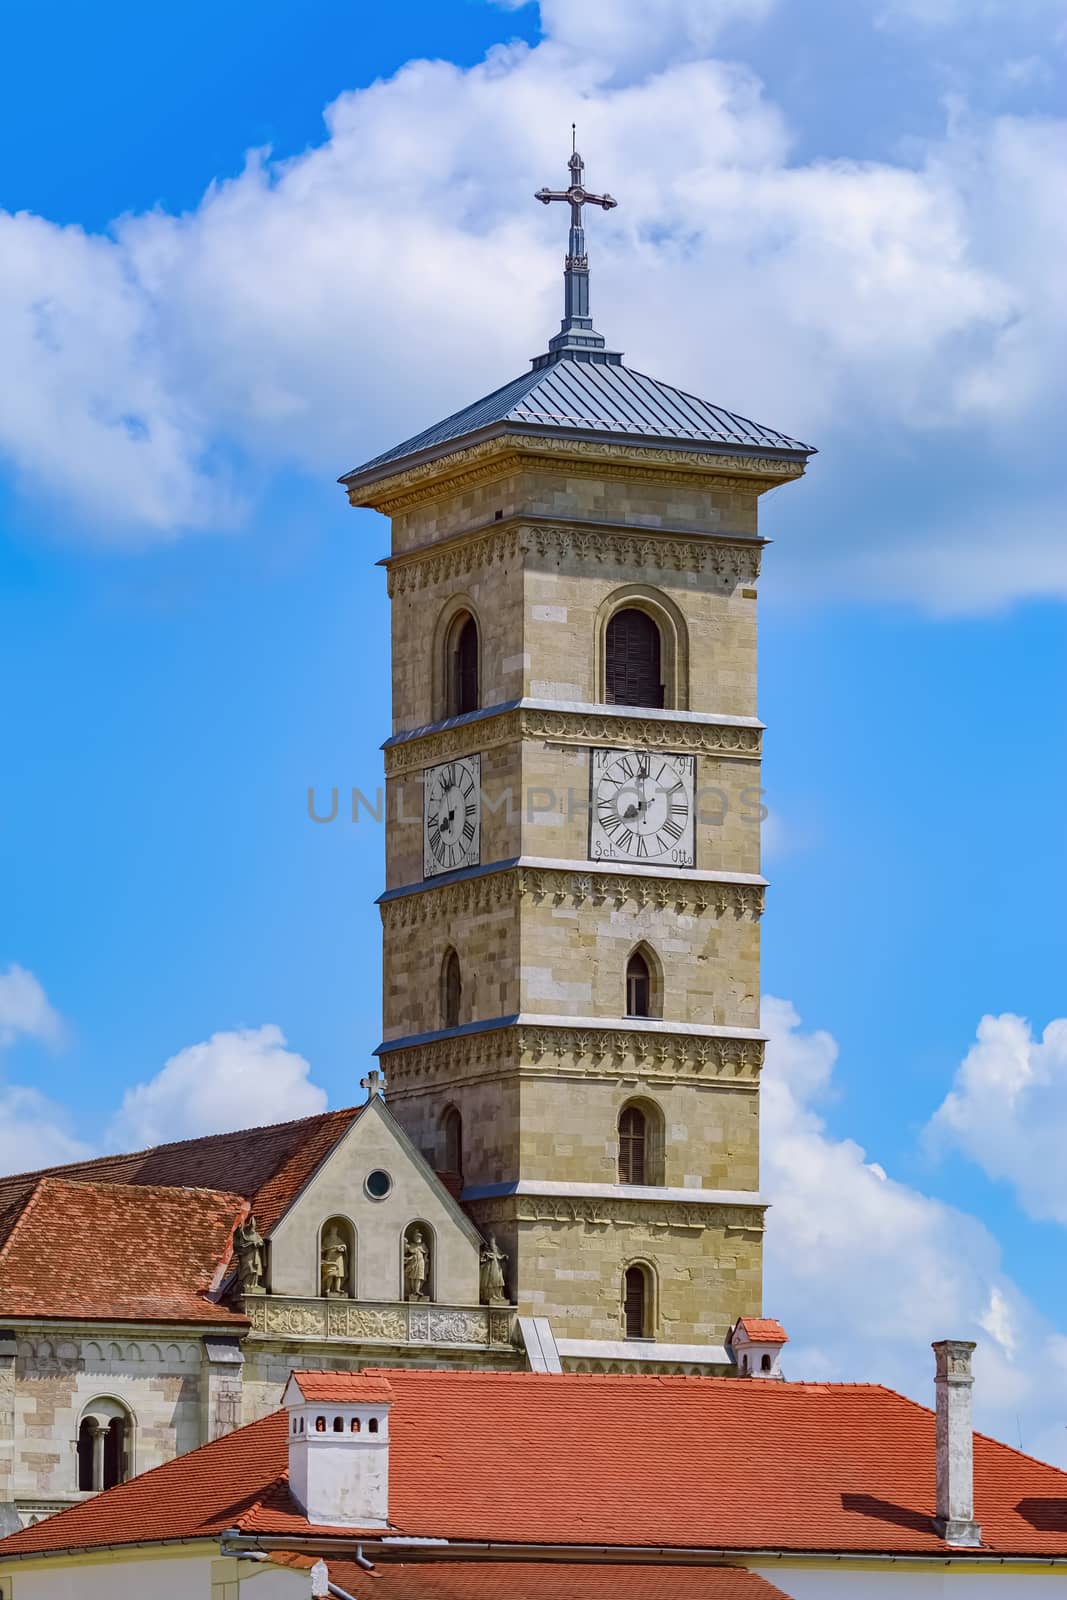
(9, 1518)
(99, 1437)
(221, 1383)
(954, 1381)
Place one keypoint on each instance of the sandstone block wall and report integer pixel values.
(571, 1270)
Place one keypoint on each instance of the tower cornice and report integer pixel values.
(583, 1048)
(605, 884)
(735, 738)
(496, 452)
(528, 517)
(731, 557)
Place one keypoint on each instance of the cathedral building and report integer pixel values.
(561, 1168)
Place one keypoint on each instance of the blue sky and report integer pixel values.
(839, 218)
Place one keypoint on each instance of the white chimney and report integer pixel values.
(756, 1346)
(339, 1448)
(320, 1580)
(954, 1520)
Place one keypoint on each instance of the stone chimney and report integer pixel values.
(339, 1448)
(954, 1381)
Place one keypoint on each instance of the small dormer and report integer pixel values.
(755, 1343)
(339, 1447)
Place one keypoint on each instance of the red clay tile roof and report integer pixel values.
(343, 1388)
(763, 1329)
(268, 1166)
(581, 1459)
(166, 1212)
(542, 1580)
(118, 1252)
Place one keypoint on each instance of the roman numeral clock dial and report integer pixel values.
(452, 816)
(642, 808)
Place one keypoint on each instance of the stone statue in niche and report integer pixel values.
(249, 1251)
(491, 1276)
(333, 1268)
(416, 1264)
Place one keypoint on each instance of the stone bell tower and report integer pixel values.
(571, 915)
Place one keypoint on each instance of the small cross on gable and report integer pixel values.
(374, 1083)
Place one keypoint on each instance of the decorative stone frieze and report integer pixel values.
(455, 559)
(588, 1052)
(466, 469)
(572, 728)
(493, 891)
(735, 559)
(738, 559)
(674, 1369)
(400, 1324)
(658, 1216)
(646, 733)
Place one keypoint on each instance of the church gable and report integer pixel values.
(372, 1201)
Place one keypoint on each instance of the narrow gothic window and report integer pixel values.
(453, 1130)
(632, 670)
(451, 990)
(635, 1305)
(633, 1145)
(463, 666)
(638, 987)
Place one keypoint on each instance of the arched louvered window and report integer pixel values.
(453, 1131)
(638, 987)
(451, 990)
(633, 674)
(636, 1303)
(633, 1145)
(463, 693)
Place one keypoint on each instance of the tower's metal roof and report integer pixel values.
(579, 397)
(578, 387)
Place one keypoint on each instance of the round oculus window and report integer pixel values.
(378, 1184)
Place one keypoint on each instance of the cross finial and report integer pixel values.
(374, 1083)
(576, 330)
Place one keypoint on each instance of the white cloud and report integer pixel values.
(624, 35)
(239, 1079)
(1007, 1111)
(971, 13)
(310, 312)
(865, 1271)
(34, 1132)
(25, 1010)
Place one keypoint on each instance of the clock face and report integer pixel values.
(642, 808)
(452, 816)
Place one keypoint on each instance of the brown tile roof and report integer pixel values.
(582, 1459)
(542, 1580)
(342, 1388)
(764, 1330)
(122, 1252)
(267, 1166)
